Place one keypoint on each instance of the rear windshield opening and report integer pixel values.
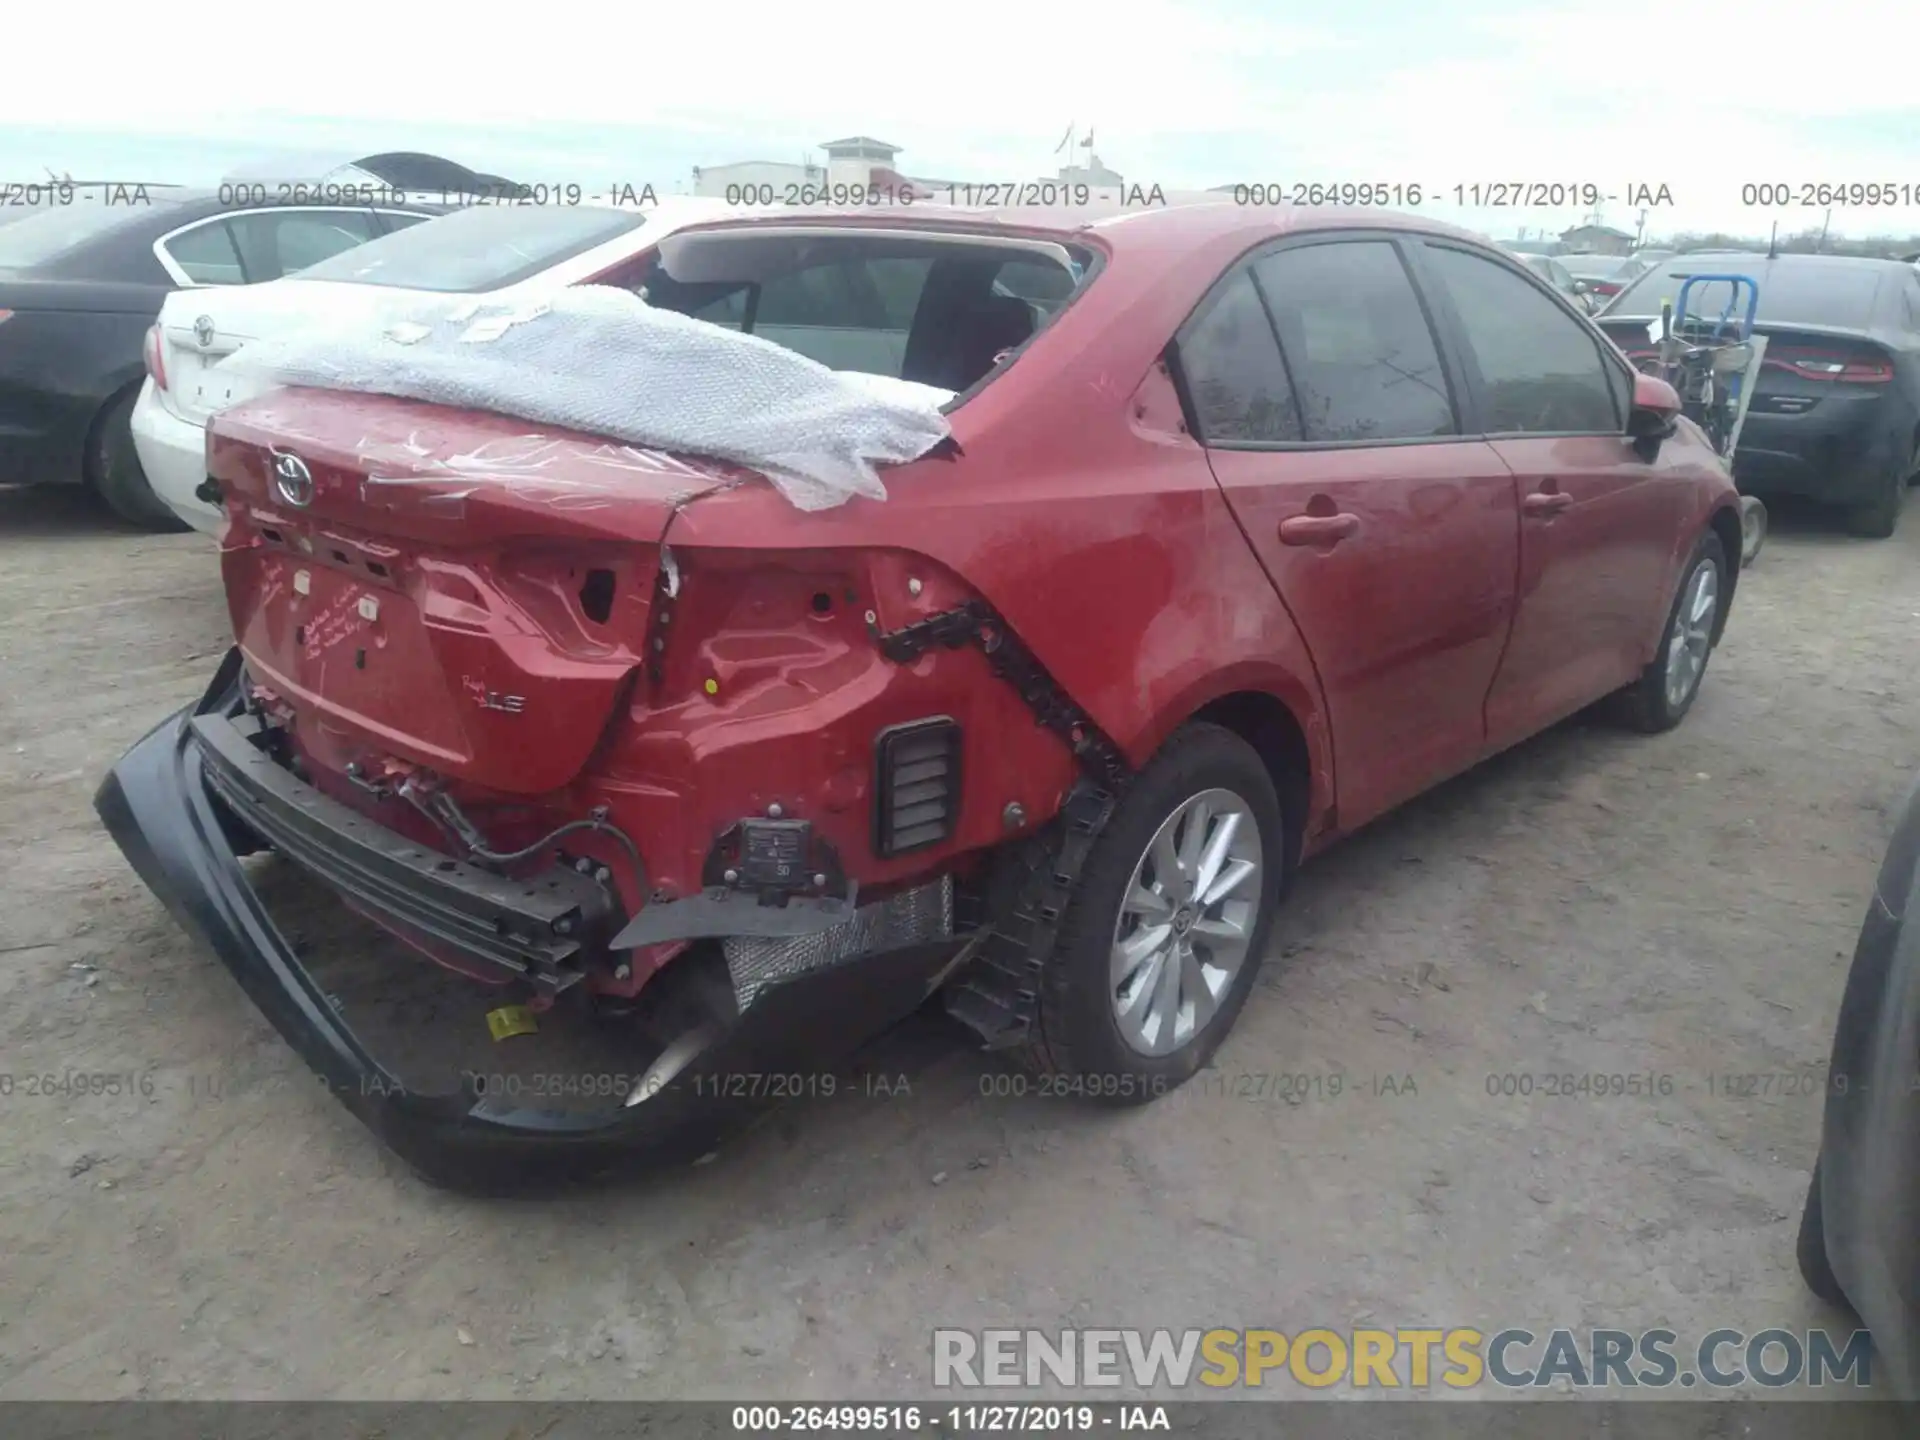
(938, 309)
(485, 247)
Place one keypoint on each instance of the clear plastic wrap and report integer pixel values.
(600, 360)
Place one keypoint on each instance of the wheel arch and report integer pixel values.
(119, 386)
(1725, 522)
(1277, 715)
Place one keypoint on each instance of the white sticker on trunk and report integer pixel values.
(302, 582)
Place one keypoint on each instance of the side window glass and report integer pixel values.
(276, 243)
(1543, 372)
(898, 283)
(207, 254)
(1043, 285)
(1357, 344)
(1233, 371)
(849, 315)
(818, 295)
(729, 311)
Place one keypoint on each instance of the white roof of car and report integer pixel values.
(249, 311)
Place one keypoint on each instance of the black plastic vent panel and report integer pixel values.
(916, 785)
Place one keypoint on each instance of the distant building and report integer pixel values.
(850, 162)
(861, 160)
(1597, 240)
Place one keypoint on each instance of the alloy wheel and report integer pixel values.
(1692, 635)
(1186, 921)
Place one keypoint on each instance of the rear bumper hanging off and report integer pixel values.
(162, 804)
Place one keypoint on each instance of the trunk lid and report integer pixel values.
(464, 591)
(200, 328)
(1802, 367)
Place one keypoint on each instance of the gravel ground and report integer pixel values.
(1592, 902)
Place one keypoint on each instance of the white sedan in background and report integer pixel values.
(491, 252)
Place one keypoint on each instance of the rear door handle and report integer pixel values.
(1318, 529)
(1546, 502)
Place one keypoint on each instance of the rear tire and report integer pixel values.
(1810, 1249)
(1666, 689)
(1879, 517)
(1118, 1038)
(1753, 529)
(113, 470)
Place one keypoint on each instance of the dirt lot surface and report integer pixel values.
(1591, 903)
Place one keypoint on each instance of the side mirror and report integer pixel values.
(1655, 414)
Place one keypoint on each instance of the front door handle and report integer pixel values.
(1546, 502)
(1318, 529)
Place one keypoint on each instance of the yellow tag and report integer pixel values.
(511, 1020)
(713, 687)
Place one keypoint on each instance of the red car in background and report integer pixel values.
(1251, 525)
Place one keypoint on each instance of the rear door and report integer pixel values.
(1597, 524)
(1332, 426)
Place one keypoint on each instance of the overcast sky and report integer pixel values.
(1181, 93)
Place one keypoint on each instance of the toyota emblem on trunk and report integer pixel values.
(293, 480)
(203, 331)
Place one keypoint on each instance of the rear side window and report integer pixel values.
(1357, 344)
(275, 243)
(1542, 371)
(1043, 285)
(1233, 372)
(206, 255)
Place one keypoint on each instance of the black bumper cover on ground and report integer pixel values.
(161, 811)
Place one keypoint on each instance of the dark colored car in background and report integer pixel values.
(1859, 1237)
(1835, 414)
(81, 283)
(1549, 269)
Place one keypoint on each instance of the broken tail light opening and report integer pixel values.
(5, 315)
(150, 354)
(1847, 368)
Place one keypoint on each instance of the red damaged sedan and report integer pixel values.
(1245, 527)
